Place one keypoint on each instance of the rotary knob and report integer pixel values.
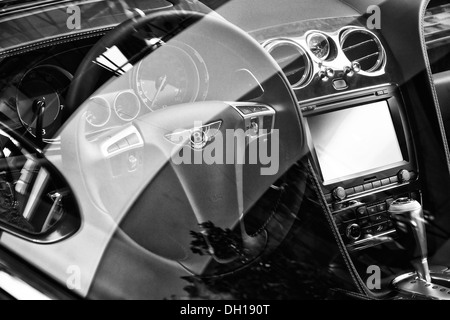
(339, 193)
(323, 76)
(403, 175)
(353, 231)
(348, 71)
(356, 66)
(329, 72)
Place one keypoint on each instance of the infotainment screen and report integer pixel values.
(354, 140)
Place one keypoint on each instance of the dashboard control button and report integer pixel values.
(367, 230)
(372, 210)
(353, 231)
(367, 186)
(364, 222)
(340, 84)
(393, 179)
(380, 227)
(122, 143)
(361, 212)
(403, 175)
(112, 148)
(377, 218)
(358, 189)
(339, 193)
(385, 182)
(349, 191)
(133, 162)
(133, 139)
(376, 184)
(381, 207)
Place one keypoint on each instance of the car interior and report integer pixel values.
(345, 102)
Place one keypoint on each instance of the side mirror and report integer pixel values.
(36, 203)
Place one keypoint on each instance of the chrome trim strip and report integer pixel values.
(434, 41)
(381, 61)
(338, 94)
(372, 241)
(308, 74)
(35, 194)
(19, 289)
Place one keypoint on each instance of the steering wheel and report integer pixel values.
(132, 169)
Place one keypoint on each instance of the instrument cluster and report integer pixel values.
(173, 74)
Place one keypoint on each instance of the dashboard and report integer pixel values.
(317, 63)
(343, 76)
(347, 83)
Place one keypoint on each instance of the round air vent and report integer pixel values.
(293, 60)
(364, 47)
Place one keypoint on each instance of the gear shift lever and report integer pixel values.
(407, 216)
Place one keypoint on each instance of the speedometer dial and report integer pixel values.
(172, 74)
(42, 87)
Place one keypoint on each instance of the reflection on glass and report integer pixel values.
(29, 198)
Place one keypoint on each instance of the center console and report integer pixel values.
(365, 159)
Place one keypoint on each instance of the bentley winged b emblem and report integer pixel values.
(197, 137)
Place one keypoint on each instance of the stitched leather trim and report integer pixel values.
(54, 41)
(423, 9)
(342, 248)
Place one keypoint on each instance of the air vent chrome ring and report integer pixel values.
(363, 46)
(293, 60)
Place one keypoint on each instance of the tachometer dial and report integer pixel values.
(172, 74)
(42, 88)
(319, 45)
